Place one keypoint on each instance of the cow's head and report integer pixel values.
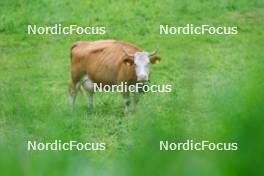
(142, 61)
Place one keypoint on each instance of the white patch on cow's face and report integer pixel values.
(142, 63)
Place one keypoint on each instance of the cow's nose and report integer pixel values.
(142, 77)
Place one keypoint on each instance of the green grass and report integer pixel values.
(217, 89)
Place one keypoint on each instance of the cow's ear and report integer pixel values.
(155, 59)
(129, 61)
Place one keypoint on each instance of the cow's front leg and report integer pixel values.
(135, 100)
(74, 88)
(126, 101)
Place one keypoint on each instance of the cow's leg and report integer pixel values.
(74, 88)
(126, 100)
(90, 97)
(88, 85)
(135, 100)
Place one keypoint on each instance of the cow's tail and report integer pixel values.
(73, 46)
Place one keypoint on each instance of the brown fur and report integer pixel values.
(103, 61)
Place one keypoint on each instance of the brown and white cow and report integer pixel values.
(108, 62)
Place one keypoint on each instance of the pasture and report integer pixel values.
(217, 89)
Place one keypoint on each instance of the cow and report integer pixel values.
(109, 62)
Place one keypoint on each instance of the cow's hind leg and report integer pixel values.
(90, 97)
(88, 86)
(74, 88)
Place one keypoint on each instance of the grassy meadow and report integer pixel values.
(217, 89)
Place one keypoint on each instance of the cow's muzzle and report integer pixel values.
(142, 78)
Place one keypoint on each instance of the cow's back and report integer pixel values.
(103, 60)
